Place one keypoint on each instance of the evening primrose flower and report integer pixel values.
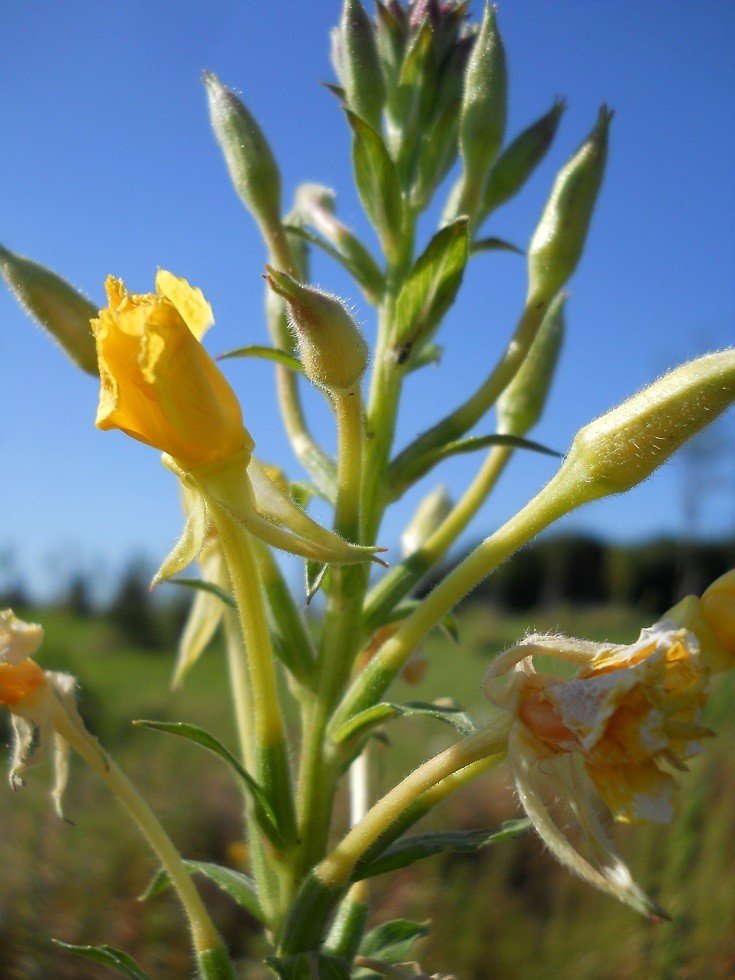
(629, 715)
(158, 384)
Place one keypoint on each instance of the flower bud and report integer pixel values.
(518, 161)
(56, 305)
(484, 107)
(333, 351)
(249, 158)
(718, 610)
(429, 515)
(359, 65)
(623, 447)
(559, 238)
(520, 405)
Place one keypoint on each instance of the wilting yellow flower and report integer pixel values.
(158, 384)
(712, 620)
(32, 695)
(629, 714)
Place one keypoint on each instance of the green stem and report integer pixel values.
(242, 699)
(400, 580)
(463, 418)
(336, 869)
(350, 432)
(558, 497)
(205, 938)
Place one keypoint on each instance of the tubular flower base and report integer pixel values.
(630, 714)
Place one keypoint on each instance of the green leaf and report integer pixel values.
(399, 481)
(494, 245)
(432, 285)
(267, 354)
(392, 941)
(238, 886)
(378, 713)
(377, 182)
(202, 586)
(108, 956)
(266, 817)
(408, 850)
(309, 966)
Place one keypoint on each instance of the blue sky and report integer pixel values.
(107, 165)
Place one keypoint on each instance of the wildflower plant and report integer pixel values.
(424, 96)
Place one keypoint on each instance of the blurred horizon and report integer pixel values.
(108, 166)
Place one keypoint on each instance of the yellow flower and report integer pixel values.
(158, 384)
(628, 715)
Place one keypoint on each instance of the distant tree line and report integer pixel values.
(577, 569)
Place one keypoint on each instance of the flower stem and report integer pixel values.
(206, 940)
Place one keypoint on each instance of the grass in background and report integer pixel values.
(507, 913)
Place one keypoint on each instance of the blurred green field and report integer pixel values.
(507, 913)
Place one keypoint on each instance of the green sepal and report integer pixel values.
(267, 818)
(55, 304)
(408, 850)
(378, 713)
(492, 244)
(430, 288)
(399, 480)
(360, 70)
(267, 354)
(309, 966)
(237, 885)
(377, 183)
(191, 541)
(392, 941)
(107, 955)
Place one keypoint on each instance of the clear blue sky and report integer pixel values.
(107, 165)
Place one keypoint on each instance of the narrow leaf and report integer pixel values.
(400, 480)
(108, 956)
(267, 354)
(411, 849)
(377, 181)
(378, 713)
(432, 284)
(494, 245)
(238, 886)
(392, 941)
(314, 572)
(267, 818)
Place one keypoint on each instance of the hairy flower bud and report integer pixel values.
(359, 65)
(56, 305)
(483, 114)
(559, 238)
(623, 447)
(333, 351)
(249, 158)
(517, 162)
(520, 405)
